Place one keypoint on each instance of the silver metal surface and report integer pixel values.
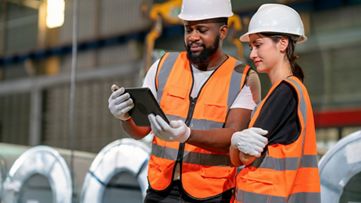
(121, 156)
(338, 166)
(44, 161)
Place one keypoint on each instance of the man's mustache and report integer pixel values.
(195, 43)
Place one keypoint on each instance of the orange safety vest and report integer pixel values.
(204, 174)
(287, 173)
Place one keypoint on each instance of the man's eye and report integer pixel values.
(202, 30)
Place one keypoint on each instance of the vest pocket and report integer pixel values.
(216, 172)
(215, 111)
(154, 165)
(162, 166)
(173, 100)
(258, 181)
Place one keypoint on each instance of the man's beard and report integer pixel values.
(202, 59)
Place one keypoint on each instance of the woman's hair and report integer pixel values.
(290, 51)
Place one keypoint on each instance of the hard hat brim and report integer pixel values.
(245, 37)
(206, 17)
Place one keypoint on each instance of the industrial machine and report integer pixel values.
(340, 171)
(118, 173)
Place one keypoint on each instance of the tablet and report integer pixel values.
(144, 104)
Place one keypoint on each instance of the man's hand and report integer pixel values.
(119, 103)
(175, 131)
(250, 141)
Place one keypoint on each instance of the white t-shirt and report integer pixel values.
(244, 98)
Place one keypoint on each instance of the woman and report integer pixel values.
(286, 171)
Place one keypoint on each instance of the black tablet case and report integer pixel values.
(144, 104)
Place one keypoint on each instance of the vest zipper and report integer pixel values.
(192, 104)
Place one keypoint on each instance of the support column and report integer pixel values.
(35, 117)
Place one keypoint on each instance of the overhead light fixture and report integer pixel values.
(55, 13)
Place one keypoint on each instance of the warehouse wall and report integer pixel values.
(330, 58)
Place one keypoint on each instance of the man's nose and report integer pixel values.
(193, 36)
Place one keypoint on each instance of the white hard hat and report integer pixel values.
(276, 18)
(193, 10)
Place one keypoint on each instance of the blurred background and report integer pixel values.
(116, 42)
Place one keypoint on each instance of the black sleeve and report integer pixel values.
(279, 115)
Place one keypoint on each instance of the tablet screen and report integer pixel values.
(144, 104)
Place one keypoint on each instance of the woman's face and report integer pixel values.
(265, 53)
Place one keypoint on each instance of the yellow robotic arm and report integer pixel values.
(235, 24)
(160, 13)
(167, 12)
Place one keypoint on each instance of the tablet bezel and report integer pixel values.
(144, 104)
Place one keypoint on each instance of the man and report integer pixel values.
(207, 96)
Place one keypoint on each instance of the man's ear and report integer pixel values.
(283, 44)
(223, 31)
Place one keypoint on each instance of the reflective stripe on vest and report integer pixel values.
(289, 163)
(286, 173)
(250, 197)
(164, 72)
(204, 173)
(199, 124)
(191, 157)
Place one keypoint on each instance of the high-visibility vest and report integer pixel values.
(204, 174)
(286, 173)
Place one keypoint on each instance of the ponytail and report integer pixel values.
(296, 69)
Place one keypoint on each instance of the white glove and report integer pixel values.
(119, 104)
(250, 141)
(176, 131)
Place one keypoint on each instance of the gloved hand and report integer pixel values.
(250, 141)
(176, 130)
(119, 104)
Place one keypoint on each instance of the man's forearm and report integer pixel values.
(217, 140)
(136, 132)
